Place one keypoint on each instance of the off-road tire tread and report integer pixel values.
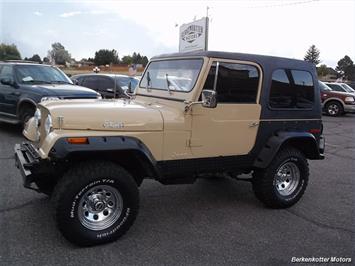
(81, 173)
(262, 177)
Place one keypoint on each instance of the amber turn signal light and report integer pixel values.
(81, 140)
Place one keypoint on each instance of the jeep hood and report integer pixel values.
(108, 115)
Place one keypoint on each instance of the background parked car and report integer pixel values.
(23, 85)
(336, 103)
(341, 87)
(108, 85)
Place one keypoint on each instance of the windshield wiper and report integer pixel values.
(36, 81)
(60, 81)
(148, 81)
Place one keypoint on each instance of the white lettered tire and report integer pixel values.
(95, 203)
(284, 181)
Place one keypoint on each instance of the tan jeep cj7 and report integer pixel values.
(193, 115)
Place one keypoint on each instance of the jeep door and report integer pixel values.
(231, 127)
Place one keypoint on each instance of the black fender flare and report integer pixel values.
(24, 101)
(101, 146)
(304, 141)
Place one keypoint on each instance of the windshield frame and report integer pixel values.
(67, 79)
(169, 91)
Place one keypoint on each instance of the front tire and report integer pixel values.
(95, 203)
(284, 181)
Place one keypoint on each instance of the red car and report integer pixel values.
(336, 103)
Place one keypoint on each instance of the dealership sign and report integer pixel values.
(194, 36)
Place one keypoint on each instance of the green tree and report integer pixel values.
(346, 68)
(145, 61)
(138, 59)
(322, 70)
(45, 60)
(127, 60)
(105, 57)
(58, 54)
(9, 52)
(312, 55)
(134, 58)
(36, 58)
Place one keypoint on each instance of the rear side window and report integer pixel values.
(291, 89)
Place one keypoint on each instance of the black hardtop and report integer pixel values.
(263, 60)
(268, 64)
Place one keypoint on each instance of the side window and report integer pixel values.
(106, 83)
(6, 72)
(336, 87)
(291, 89)
(304, 89)
(210, 78)
(90, 82)
(236, 83)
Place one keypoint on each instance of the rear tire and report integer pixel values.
(334, 109)
(95, 203)
(284, 181)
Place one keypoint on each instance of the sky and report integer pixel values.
(284, 28)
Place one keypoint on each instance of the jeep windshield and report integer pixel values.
(40, 74)
(172, 75)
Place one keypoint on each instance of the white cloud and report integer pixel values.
(37, 13)
(273, 27)
(70, 14)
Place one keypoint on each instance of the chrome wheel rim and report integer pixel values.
(333, 109)
(287, 178)
(100, 207)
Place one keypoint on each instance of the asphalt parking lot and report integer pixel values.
(207, 223)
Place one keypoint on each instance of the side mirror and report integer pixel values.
(7, 81)
(75, 82)
(209, 98)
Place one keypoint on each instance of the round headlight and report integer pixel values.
(37, 117)
(48, 124)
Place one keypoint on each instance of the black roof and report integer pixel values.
(262, 60)
(20, 62)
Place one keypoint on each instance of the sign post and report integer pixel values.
(193, 36)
